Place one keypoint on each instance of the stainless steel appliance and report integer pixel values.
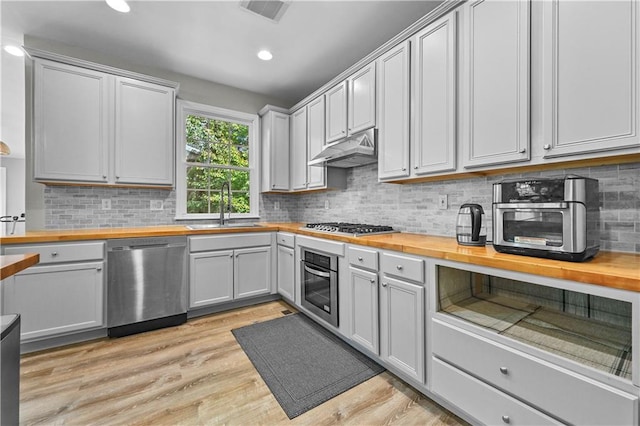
(356, 150)
(470, 227)
(557, 218)
(320, 285)
(147, 286)
(10, 370)
(349, 229)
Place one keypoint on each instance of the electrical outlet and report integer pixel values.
(106, 204)
(276, 205)
(443, 202)
(326, 204)
(156, 205)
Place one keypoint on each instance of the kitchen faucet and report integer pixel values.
(222, 202)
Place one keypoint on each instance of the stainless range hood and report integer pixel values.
(356, 150)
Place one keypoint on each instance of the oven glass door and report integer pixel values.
(535, 227)
(320, 287)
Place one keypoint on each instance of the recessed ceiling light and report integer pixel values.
(119, 5)
(14, 50)
(265, 55)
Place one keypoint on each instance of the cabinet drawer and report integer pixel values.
(229, 242)
(562, 393)
(286, 239)
(403, 267)
(58, 253)
(363, 258)
(484, 403)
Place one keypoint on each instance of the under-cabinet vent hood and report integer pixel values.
(356, 150)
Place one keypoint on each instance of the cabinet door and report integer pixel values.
(275, 140)
(252, 272)
(286, 272)
(495, 82)
(315, 138)
(363, 289)
(71, 123)
(210, 278)
(336, 116)
(56, 299)
(433, 147)
(144, 133)
(299, 149)
(402, 326)
(591, 52)
(393, 113)
(361, 110)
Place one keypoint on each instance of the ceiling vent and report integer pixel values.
(270, 9)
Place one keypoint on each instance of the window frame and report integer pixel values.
(185, 108)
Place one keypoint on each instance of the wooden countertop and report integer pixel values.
(610, 269)
(12, 264)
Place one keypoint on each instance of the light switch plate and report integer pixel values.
(106, 204)
(443, 202)
(156, 205)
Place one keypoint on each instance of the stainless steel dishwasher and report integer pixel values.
(147, 285)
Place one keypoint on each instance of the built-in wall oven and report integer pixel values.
(320, 285)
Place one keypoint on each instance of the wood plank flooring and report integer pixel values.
(190, 375)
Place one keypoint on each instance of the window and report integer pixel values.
(215, 146)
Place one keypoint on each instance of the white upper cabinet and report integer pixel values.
(591, 79)
(299, 149)
(144, 132)
(393, 113)
(275, 150)
(495, 78)
(336, 116)
(433, 147)
(316, 175)
(91, 126)
(362, 99)
(71, 123)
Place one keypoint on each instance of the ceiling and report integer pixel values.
(313, 42)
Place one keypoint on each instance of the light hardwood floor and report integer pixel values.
(192, 374)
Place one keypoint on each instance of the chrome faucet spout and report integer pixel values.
(222, 205)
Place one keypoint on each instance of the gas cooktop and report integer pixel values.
(351, 229)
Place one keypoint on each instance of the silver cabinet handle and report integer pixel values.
(117, 177)
(54, 254)
(547, 146)
(404, 169)
(372, 280)
(104, 176)
(231, 255)
(506, 419)
(273, 185)
(384, 284)
(360, 258)
(399, 267)
(99, 268)
(290, 254)
(504, 370)
(415, 167)
(523, 150)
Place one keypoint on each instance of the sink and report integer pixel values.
(226, 225)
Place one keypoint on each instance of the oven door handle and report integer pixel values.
(316, 272)
(532, 206)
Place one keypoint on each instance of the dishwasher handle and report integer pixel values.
(145, 243)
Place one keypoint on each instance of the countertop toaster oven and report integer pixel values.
(557, 218)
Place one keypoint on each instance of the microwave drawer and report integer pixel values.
(562, 393)
(484, 403)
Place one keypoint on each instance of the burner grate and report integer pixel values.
(349, 228)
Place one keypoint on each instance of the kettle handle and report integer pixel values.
(476, 220)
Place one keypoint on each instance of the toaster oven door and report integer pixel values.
(559, 227)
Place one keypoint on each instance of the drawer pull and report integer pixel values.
(98, 269)
(372, 280)
(360, 258)
(54, 254)
(399, 267)
(506, 419)
(504, 370)
(384, 284)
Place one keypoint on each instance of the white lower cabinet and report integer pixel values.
(402, 326)
(484, 403)
(63, 294)
(363, 294)
(226, 268)
(286, 272)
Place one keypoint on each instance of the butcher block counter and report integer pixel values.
(12, 264)
(610, 269)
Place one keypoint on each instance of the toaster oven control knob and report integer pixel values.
(506, 419)
(547, 146)
(504, 370)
